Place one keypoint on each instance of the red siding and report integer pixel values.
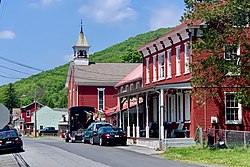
(88, 96)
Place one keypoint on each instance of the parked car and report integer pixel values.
(10, 140)
(93, 128)
(109, 135)
(48, 131)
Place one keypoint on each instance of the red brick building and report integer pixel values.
(166, 90)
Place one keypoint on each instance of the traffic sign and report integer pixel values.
(4, 116)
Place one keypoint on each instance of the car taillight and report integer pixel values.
(1, 142)
(124, 135)
(18, 140)
(106, 135)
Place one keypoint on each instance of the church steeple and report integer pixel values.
(81, 49)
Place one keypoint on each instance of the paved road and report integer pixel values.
(44, 152)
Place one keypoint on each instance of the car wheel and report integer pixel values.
(101, 142)
(124, 143)
(91, 140)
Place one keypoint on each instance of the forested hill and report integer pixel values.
(49, 87)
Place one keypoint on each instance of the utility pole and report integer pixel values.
(35, 120)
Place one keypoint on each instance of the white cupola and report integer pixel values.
(81, 49)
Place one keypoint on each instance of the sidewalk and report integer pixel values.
(140, 149)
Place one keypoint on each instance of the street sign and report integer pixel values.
(4, 116)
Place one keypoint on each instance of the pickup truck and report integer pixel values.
(48, 131)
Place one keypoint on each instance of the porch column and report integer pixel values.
(128, 127)
(147, 127)
(120, 114)
(137, 117)
(123, 125)
(161, 110)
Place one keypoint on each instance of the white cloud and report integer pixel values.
(165, 17)
(7, 35)
(108, 10)
(68, 58)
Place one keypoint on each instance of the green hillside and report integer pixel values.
(49, 87)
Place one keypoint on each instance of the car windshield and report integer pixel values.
(112, 129)
(101, 125)
(8, 134)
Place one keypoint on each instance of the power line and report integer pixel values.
(20, 64)
(4, 76)
(15, 70)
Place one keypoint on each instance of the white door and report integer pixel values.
(171, 108)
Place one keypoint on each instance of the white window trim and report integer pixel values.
(169, 72)
(137, 85)
(154, 69)
(28, 111)
(239, 121)
(180, 108)
(178, 61)
(101, 89)
(187, 59)
(187, 106)
(161, 72)
(238, 53)
(147, 71)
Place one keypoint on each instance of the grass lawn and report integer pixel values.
(237, 157)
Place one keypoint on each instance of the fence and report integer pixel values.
(232, 138)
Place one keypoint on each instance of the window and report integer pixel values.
(161, 66)
(147, 70)
(178, 61)
(233, 109)
(186, 58)
(169, 64)
(154, 69)
(121, 89)
(131, 87)
(137, 86)
(126, 88)
(101, 98)
(187, 106)
(179, 107)
(231, 55)
(28, 113)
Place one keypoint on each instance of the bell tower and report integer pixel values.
(81, 49)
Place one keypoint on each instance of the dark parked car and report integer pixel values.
(10, 140)
(93, 127)
(48, 131)
(110, 135)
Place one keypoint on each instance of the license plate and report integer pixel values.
(116, 135)
(8, 142)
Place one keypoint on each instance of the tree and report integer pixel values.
(225, 33)
(132, 56)
(10, 98)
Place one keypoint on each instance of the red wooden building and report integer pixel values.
(26, 113)
(92, 84)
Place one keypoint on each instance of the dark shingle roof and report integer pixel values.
(101, 74)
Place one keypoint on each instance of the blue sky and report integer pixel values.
(41, 33)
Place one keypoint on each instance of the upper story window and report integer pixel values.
(154, 69)
(137, 86)
(147, 70)
(187, 59)
(126, 88)
(161, 66)
(232, 109)
(232, 55)
(28, 113)
(101, 104)
(121, 89)
(131, 87)
(178, 61)
(169, 64)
